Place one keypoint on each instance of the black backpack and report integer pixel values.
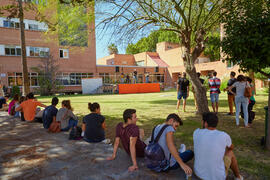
(154, 154)
(75, 133)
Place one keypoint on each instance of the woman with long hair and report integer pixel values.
(66, 117)
(240, 99)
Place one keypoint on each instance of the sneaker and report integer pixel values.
(241, 178)
(106, 141)
(182, 148)
(229, 114)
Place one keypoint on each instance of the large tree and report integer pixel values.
(191, 20)
(247, 38)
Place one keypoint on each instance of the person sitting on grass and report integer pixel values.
(49, 114)
(94, 125)
(11, 105)
(3, 103)
(176, 158)
(131, 138)
(29, 107)
(66, 117)
(213, 151)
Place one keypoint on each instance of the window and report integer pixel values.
(75, 79)
(117, 69)
(33, 27)
(156, 69)
(63, 53)
(39, 52)
(12, 51)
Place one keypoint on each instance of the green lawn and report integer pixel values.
(153, 108)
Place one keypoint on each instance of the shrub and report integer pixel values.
(15, 90)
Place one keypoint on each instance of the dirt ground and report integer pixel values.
(29, 152)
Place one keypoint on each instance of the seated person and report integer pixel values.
(11, 105)
(29, 107)
(177, 159)
(66, 117)
(94, 125)
(213, 151)
(49, 114)
(131, 138)
(20, 113)
(3, 103)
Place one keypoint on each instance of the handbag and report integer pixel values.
(248, 91)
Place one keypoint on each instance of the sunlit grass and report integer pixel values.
(153, 108)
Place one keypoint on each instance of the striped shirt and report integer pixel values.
(214, 84)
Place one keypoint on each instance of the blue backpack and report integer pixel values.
(154, 154)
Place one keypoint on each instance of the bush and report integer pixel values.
(15, 90)
(224, 83)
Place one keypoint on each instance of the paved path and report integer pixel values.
(29, 152)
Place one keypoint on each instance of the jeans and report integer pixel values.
(214, 97)
(241, 100)
(185, 156)
(71, 123)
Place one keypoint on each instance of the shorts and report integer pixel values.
(227, 162)
(214, 97)
(182, 94)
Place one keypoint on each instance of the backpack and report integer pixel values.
(75, 133)
(154, 154)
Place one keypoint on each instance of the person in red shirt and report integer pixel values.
(131, 138)
(29, 107)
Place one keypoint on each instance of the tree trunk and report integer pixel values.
(200, 90)
(26, 84)
(268, 120)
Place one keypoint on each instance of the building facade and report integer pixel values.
(74, 62)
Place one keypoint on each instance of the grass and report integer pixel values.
(153, 108)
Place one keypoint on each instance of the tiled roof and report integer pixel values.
(159, 61)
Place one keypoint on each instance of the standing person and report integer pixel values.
(66, 117)
(94, 125)
(213, 151)
(135, 76)
(3, 103)
(29, 107)
(195, 98)
(251, 103)
(175, 158)
(49, 114)
(11, 105)
(182, 91)
(147, 77)
(127, 79)
(231, 102)
(214, 84)
(122, 76)
(131, 138)
(240, 99)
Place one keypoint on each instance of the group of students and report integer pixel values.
(236, 95)
(213, 149)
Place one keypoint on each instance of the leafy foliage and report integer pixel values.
(212, 46)
(148, 44)
(261, 76)
(47, 81)
(247, 40)
(15, 90)
(112, 48)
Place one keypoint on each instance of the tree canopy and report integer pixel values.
(247, 37)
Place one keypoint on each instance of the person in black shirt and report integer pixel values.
(182, 91)
(195, 98)
(94, 125)
(49, 114)
(230, 95)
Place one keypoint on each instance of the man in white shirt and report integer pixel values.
(213, 151)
